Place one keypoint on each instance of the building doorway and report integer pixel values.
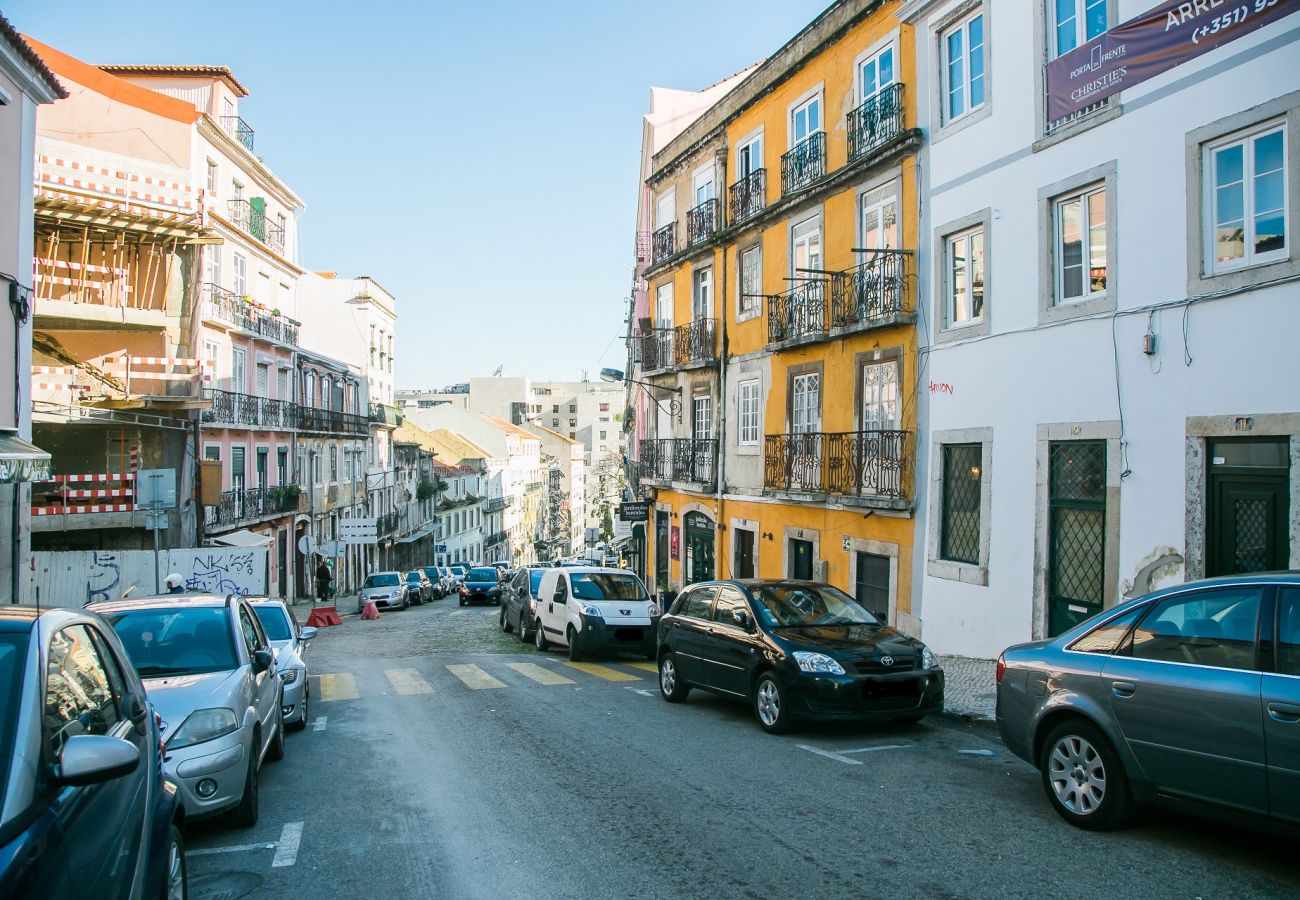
(699, 535)
(661, 550)
(801, 559)
(871, 587)
(282, 560)
(743, 564)
(1076, 532)
(1249, 507)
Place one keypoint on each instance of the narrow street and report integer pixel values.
(446, 759)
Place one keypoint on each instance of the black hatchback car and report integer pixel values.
(794, 650)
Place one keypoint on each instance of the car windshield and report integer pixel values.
(13, 653)
(389, 579)
(275, 622)
(485, 574)
(607, 586)
(413, 576)
(189, 641)
(535, 580)
(809, 605)
(431, 573)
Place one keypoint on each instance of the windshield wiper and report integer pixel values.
(153, 671)
(835, 624)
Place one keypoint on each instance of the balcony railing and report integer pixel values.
(798, 313)
(703, 221)
(664, 242)
(642, 247)
(679, 459)
(247, 410)
(239, 130)
(254, 220)
(656, 349)
(748, 196)
(872, 292)
(804, 163)
(496, 504)
(876, 122)
(331, 421)
(387, 523)
(532, 487)
(695, 342)
(498, 537)
(230, 307)
(383, 414)
(239, 507)
(867, 464)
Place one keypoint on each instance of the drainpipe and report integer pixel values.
(722, 384)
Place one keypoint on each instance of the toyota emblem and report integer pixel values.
(626, 612)
(886, 660)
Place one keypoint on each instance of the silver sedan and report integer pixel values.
(289, 641)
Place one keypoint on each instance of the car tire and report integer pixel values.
(406, 603)
(175, 880)
(501, 619)
(244, 814)
(770, 704)
(520, 630)
(1084, 777)
(575, 649)
(463, 601)
(671, 686)
(301, 722)
(539, 637)
(275, 752)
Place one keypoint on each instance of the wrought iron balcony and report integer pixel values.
(387, 523)
(799, 313)
(642, 247)
(872, 465)
(331, 421)
(748, 196)
(876, 122)
(695, 342)
(228, 306)
(237, 410)
(804, 163)
(679, 459)
(664, 242)
(240, 507)
(498, 537)
(253, 219)
(872, 293)
(656, 349)
(703, 221)
(383, 414)
(496, 504)
(239, 130)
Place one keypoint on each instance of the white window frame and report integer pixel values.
(667, 199)
(706, 174)
(664, 303)
(796, 238)
(950, 288)
(702, 293)
(1246, 138)
(800, 105)
(875, 54)
(239, 370)
(945, 66)
(701, 415)
(875, 201)
(743, 312)
(211, 359)
(1080, 24)
(213, 175)
(753, 143)
(881, 394)
(749, 412)
(810, 391)
(241, 275)
(1084, 198)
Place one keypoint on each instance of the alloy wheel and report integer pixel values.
(667, 676)
(1077, 775)
(175, 868)
(769, 702)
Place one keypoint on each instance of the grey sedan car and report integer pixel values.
(386, 589)
(209, 671)
(289, 641)
(1189, 694)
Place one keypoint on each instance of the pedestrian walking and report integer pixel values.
(323, 578)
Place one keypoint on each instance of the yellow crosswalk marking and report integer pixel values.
(340, 686)
(644, 666)
(540, 674)
(475, 677)
(600, 671)
(407, 681)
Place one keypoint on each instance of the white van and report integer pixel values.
(592, 609)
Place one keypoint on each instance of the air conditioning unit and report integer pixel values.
(821, 570)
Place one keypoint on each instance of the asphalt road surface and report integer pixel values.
(446, 759)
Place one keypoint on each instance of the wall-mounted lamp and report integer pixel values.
(767, 535)
(674, 403)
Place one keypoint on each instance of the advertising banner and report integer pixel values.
(1154, 42)
(634, 511)
(674, 543)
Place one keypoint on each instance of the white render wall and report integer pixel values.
(1238, 358)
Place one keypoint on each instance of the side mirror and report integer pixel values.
(262, 660)
(92, 758)
(307, 633)
(138, 713)
(741, 618)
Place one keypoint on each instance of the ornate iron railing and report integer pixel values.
(855, 463)
(497, 537)
(656, 349)
(871, 292)
(248, 410)
(383, 414)
(642, 247)
(230, 307)
(703, 220)
(496, 504)
(239, 130)
(664, 242)
(804, 163)
(798, 313)
(679, 459)
(254, 220)
(748, 196)
(695, 342)
(876, 122)
(238, 507)
(331, 421)
(387, 523)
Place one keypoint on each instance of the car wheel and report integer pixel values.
(1083, 776)
(521, 630)
(462, 601)
(671, 686)
(405, 604)
(539, 637)
(275, 752)
(770, 706)
(244, 815)
(575, 651)
(501, 618)
(301, 721)
(174, 886)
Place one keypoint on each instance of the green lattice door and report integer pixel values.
(1249, 508)
(1076, 532)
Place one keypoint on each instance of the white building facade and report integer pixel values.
(1109, 398)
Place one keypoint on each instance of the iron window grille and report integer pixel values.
(959, 538)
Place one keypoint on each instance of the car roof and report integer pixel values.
(162, 601)
(596, 570)
(387, 572)
(19, 618)
(1289, 577)
(265, 601)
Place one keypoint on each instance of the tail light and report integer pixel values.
(1001, 668)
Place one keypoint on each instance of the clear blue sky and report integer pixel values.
(479, 159)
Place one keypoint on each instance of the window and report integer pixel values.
(241, 275)
(749, 157)
(751, 282)
(1108, 637)
(212, 451)
(730, 602)
(79, 696)
(238, 471)
(963, 67)
(555, 423)
(282, 385)
(1288, 632)
(805, 121)
(702, 417)
(698, 603)
(747, 394)
(665, 210)
(334, 463)
(875, 73)
(1247, 210)
(960, 534)
(702, 185)
(1080, 248)
(282, 465)
(805, 403)
(880, 396)
(283, 223)
(236, 191)
(664, 306)
(604, 407)
(807, 249)
(880, 219)
(1204, 628)
(211, 353)
(965, 255)
(1076, 22)
(212, 265)
(573, 407)
(238, 373)
(602, 435)
(702, 294)
(212, 178)
(555, 407)
(262, 380)
(260, 467)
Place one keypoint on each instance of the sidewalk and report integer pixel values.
(969, 688)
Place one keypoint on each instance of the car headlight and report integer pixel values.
(653, 611)
(818, 663)
(929, 659)
(289, 676)
(591, 612)
(203, 725)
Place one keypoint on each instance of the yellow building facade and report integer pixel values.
(781, 338)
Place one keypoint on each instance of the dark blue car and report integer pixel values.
(84, 808)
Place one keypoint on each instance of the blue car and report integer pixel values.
(84, 808)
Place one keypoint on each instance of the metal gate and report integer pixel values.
(1076, 532)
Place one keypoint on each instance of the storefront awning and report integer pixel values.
(418, 533)
(243, 538)
(21, 461)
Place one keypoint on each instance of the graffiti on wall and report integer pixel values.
(224, 572)
(74, 578)
(104, 576)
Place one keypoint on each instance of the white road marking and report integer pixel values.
(319, 725)
(843, 755)
(287, 853)
(642, 691)
(237, 848)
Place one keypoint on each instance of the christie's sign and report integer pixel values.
(1154, 42)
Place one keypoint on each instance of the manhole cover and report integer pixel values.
(223, 885)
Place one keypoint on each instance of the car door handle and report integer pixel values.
(1123, 689)
(1284, 712)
